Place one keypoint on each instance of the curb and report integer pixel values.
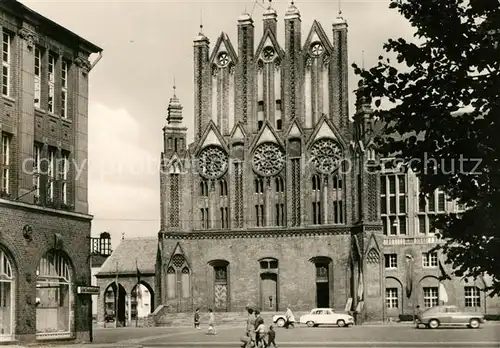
(334, 344)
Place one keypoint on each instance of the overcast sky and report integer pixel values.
(148, 43)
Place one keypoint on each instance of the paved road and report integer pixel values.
(361, 336)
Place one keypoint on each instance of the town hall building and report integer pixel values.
(278, 201)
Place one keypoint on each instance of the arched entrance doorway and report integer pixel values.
(269, 284)
(54, 296)
(323, 275)
(7, 292)
(115, 305)
(142, 300)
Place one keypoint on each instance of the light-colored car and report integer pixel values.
(279, 320)
(326, 316)
(447, 315)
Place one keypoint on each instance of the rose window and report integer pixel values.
(268, 159)
(317, 49)
(212, 162)
(326, 156)
(223, 59)
(268, 53)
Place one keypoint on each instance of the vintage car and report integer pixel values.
(326, 316)
(437, 316)
(280, 320)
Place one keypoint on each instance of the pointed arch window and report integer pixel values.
(223, 187)
(171, 281)
(316, 182)
(178, 278)
(279, 185)
(337, 195)
(259, 185)
(203, 188)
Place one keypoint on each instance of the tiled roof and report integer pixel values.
(128, 251)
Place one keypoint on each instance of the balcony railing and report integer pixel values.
(412, 240)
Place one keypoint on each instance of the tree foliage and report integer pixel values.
(444, 107)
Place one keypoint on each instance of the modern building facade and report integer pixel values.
(44, 220)
(279, 200)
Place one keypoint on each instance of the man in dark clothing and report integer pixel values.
(271, 337)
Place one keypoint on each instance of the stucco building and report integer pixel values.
(279, 200)
(44, 220)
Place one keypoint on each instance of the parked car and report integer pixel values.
(280, 320)
(109, 316)
(447, 315)
(326, 316)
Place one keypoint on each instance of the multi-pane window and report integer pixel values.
(280, 214)
(472, 296)
(64, 177)
(51, 67)
(430, 296)
(421, 224)
(38, 76)
(391, 298)
(64, 89)
(393, 204)
(205, 218)
(391, 260)
(6, 152)
(6, 62)
(37, 153)
(429, 260)
(51, 174)
(441, 201)
(224, 217)
(259, 215)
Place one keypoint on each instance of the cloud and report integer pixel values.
(123, 176)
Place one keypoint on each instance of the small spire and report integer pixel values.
(174, 87)
(123, 237)
(340, 8)
(201, 20)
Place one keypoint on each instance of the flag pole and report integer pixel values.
(137, 295)
(117, 287)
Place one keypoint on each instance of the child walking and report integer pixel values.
(260, 336)
(271, 337)
(211, 322)
(197, 319)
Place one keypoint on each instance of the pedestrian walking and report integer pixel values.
(211, 322)
(260, 335)
(197, 318)
(289, 318)
(271, 337)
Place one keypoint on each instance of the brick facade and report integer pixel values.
(25, 255)
(51, 203)
(237, 236)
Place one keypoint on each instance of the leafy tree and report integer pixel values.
(443, 106)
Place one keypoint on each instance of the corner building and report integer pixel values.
(261, 208)
(278, 201)
(44, 220)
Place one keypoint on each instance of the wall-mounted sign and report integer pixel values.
(88, 290)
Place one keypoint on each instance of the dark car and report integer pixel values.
(109, 316)
(437, 316)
